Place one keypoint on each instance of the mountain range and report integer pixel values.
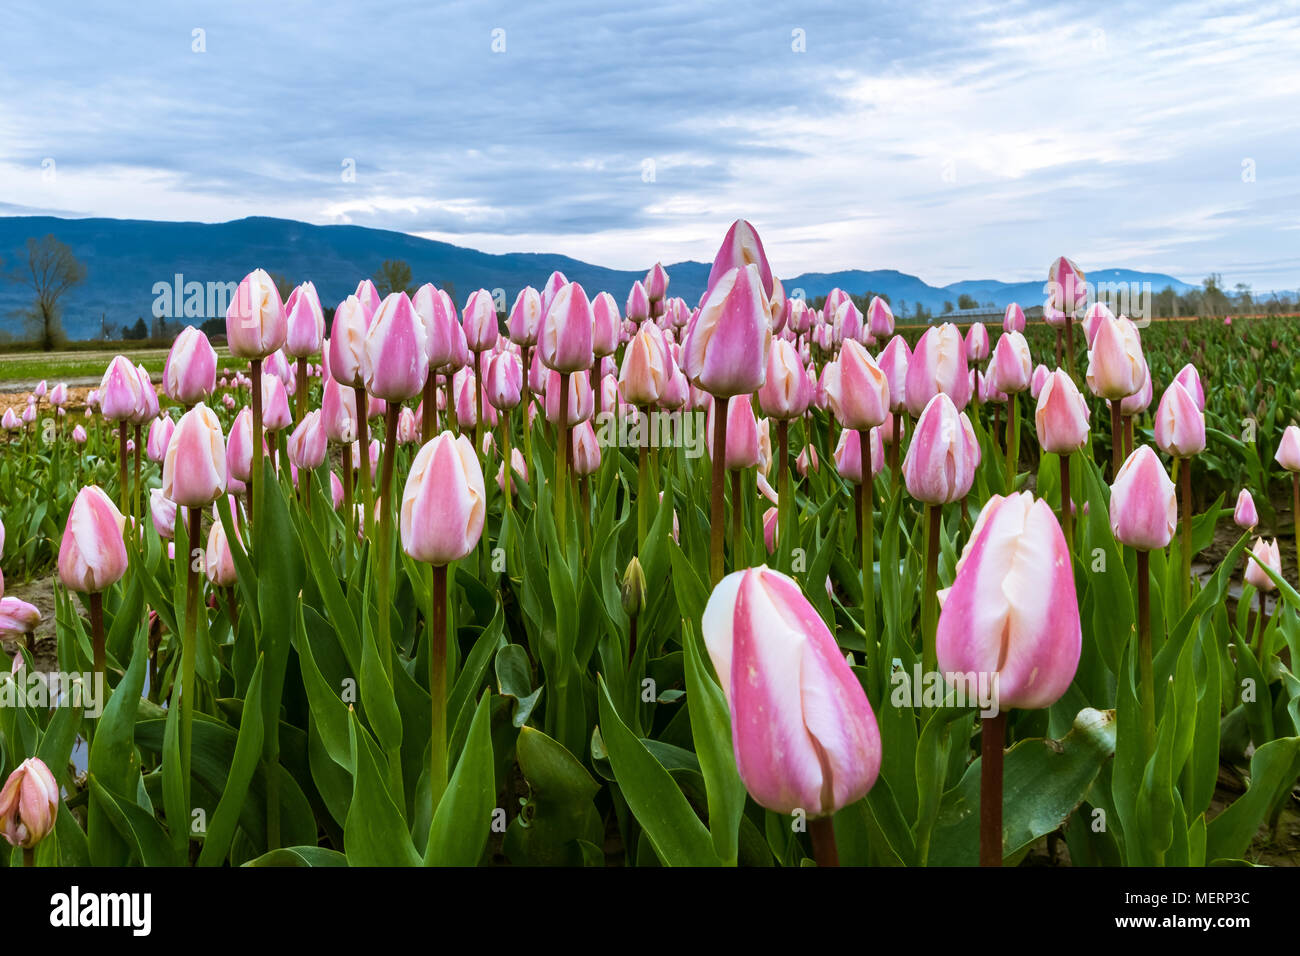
(131, 262)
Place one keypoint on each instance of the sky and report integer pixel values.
(947, 140)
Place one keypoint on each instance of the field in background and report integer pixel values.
(23, 369)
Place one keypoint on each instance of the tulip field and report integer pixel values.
(610, 578)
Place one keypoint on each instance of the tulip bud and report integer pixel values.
(479, 319)
(1115, 363)
(581, 402)
(656, 283)
(848, 455)
(1061, 418)
(740, 249)
(1013, 320)
(92, 554)
(786, 391)
(847, 324)
(1012, 610)
(120, 392)
(308, 444)
(645, 367)
(160, 433)
(1244, 515)
(638, 303)
(1263, 553)
(938, 365)
(255, 321)
(1067, 291)
(1143, 502)
(304, 322)
(726, 346)
(394, 356)
(29, 804)
(275, 404)
(564, 342)
(880, 318)
(79, 435)
(857, 389)
(408, 428)
(525, 317)
(977, 342)
(190, 374)
(633, 591)
(943, 454)
(1190, 379)
(1288, 449)
(554, 283)
(803, 733)
(1041, 374)
(1093, 318)
(586, 449)
(347, 342)
(218, 562)
(606, 324)
(1138, 402)
(1012, 368)
(517, 467)
(1179, 423)
(742, 433)
(444, 502)
(17, 619)
(195, 469)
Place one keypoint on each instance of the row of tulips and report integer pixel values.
(369, 642)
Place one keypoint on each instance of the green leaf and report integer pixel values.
(248, 751)
(300, 856)
(711, 730)
(113, 759)
(1273, 769)
(464, 816)
(374, 833)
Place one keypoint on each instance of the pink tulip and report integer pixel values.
(347, 342)
(504, 380)
(848, 455)
(10, 422)
(195, 469)
(1067, 292)
(160, 434)
(42, 387)
(645, 367)
(1143, 502)
(807, 460)
(977, 342)
(1036, 384)
(656, 282)
(564, 342)
(1012, 368)
(239, 445)
(1061, 418)
(847, 323)
(1179, 423)
(218, 562)
(275, 404)
(59, 395)
(1190, 379)
(740, 249)
(444, 502)
(1012, 610)
(17, 619)
(309, 443)
(1139, 401)
(638, 303)
(880, 318)
(742, 433)
(1288, 449)
(336, 490)
(857, 388)
(445, 338)
(1264, 553)
(255, 320)
(677, 389)
(1093, 318)
(787, 391)
(373, 455)
(394, 353)
(606, 324)
(581, 402)
(29, 804)
(304, 323)
(586, 449)
(893, 361)
(517, 467)
(726, 346)
(943, 454)
(1115, 363)
(120, 392)
(938, 365)
(554, 283)
(479, 320)
(148, 409)
(162, 511)
(92, 554)
(79, 435)
(29, 414)
(1013, 320)
(525, 317)
(1244, 515)
(190, 374)
(803, 733)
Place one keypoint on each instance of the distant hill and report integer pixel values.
(126, 258)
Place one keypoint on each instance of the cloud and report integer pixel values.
(949, 141)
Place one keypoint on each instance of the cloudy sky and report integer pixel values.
(949, 140)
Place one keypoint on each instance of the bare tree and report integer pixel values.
(50, 270)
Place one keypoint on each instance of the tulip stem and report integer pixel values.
(188, 654)
(993, 732)
(717, 529)
(453, 423)
(349, 512)
(383, 565)
(562, 463)
(822, 831)
(363, 446)
(1145, 679)
(1295, 512)
(1069, 344)
(737, 519)
(642, 492)
(1116, 440)
(1261, 622)
(783, 503)
(478, 404)
(507, 459)
(29, 856)
(1126, 424)
(255, 469)
(135, 491)
(438, 683)
(429, 409)
(868, 509)
(1185, 486)
(1013, 440)
(929, 596)
(302, 389)
(1067, 515)
(526, 402)
(97, 630)
(122, 480)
